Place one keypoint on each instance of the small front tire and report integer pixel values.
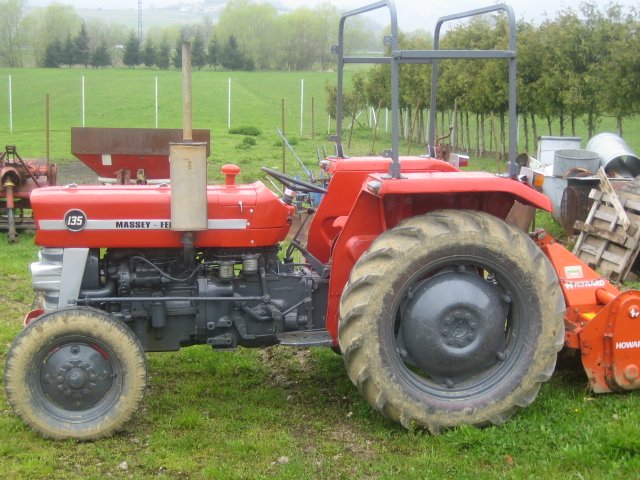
(75, 374)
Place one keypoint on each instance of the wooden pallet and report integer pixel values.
(603, 243)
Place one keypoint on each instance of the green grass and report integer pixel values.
(289, 413)
(278, 412)
(125, 98)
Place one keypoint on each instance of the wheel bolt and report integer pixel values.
(501, 356)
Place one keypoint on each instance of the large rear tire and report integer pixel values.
(75, 373)
(451, 318)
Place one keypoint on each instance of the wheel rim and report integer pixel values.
(463, 343)
(76, 379)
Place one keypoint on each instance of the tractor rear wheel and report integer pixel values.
(75, 373)
(451, 318)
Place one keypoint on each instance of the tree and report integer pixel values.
(53, 54)
(259, 34)
(301, 33)
(198, 52)
(68, 52)
(213, 53)
(45, 25)
(232, 58)
(149, 54)
(12, 12)
(131, 56)
(163, 54)
(621, 66)
(81, 50)
(101, 57)
(177, 54)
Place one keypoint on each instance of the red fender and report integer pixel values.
(382, 203)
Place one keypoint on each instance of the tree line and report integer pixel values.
(247, 36)
(579, 66)
(574, 67)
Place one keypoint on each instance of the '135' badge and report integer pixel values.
(75, 220)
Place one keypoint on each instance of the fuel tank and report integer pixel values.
(131, 216)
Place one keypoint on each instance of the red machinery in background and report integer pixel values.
(129, 155)
(18, 178)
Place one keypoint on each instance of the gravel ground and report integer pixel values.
(75, 172)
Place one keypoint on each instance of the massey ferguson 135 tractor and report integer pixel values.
(444, 313)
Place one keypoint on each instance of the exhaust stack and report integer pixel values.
(188, 165)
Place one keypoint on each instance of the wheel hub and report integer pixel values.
(76, 376)
(453, 325)
(460, 328)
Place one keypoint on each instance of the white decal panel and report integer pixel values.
(627, 345)
(573, 272)
(141, 224)
(584, 284)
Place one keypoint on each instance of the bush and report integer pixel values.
(292, 141)
(251, 131)
(247, 142)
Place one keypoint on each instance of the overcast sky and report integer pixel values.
(412, 14)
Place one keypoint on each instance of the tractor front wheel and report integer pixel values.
(75, 373)
(451, 318)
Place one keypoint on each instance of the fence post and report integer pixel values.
(229, 106)
(83, 106)
(10, 105)
(301, 105)
(156, 101)
(284, 152)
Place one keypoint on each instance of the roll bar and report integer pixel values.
(432, 57)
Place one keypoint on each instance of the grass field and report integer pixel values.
(277, 412)
(126, 98)
(288, 413)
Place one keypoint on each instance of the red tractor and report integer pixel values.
(444, 313)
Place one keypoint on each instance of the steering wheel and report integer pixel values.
(293, 183)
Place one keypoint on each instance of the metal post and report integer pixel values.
(47, 128)
(301, 106)
(284, 152)
(313, 121)
(229, 106)
(156, 101)
(10, 106)
(83, 106)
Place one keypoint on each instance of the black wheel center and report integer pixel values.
(76, 376)
(453, 326)
(460, 328)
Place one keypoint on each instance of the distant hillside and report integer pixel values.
(154, 17)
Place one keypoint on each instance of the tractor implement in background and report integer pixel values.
(129, 155)
(601, 322)
(18, 178)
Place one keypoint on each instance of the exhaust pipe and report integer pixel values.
(188, 166)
